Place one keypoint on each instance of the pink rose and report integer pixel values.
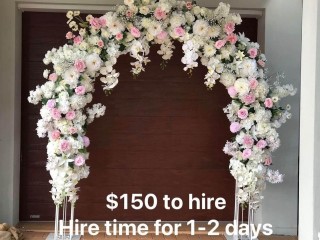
(102, 22)
(232, 91)
(179, 31)
(232, 38)
(235, 127)
(220, 43)
(72, 130)
(55, 114)
(268, 103)
(268, 161)
(78, 40)
(189, 5)
(261, 63)
(55, 134)
(100, 43)
(51, 103)
(69, 35)
(162, 35)
(249, 98)
(246, 153)
(65, 146)
(86, 141)
(229, 28)
(79, 160)
(80, 65)
(252, 52)
(160, 14)
(119, 36)
(243, 113)
(80, 90)
(135, 32)
(95, 23)
(253, 83)
(53, 77)
(70, 115)
(261, 144)
(248, 141)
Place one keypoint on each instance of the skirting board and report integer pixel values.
(51, 237)
(230, 237)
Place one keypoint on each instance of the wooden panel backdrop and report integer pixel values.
(163, 133)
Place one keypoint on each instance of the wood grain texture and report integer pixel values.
(163, 133)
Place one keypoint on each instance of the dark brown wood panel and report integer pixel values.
(163, 133)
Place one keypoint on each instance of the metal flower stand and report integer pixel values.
(236, 222)
(65, 234)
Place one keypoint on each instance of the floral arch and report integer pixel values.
(208, 37)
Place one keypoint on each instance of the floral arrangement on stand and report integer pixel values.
(207, 36)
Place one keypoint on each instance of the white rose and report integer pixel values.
(242, 86)
(227, 79)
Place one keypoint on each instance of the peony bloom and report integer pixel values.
(51, 103)
(162, 35)
(79, 160)
(229, 28)
(232, 91)
(103, 21)
(243, 113)
(80, 90)
(268, 161)
(253, 83)
(261, 144)
(93, 62)
(65, 146)
(79, 65)
(268, 103)
(179, 31)
(55, 114)
(70, 115)
(219, 44)
(160, 14)
(119, 36)
(232, 38)
(55, 134)
(248, 141)
(95, 23)
(249, 98)
(242, 86)
(246, 153)
(86, 141)
(135, 32)
(252, 52)
(53, 77)
(78, 40)
(235, 127)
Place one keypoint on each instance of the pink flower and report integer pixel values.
(86, 141)
(55, 134)
(80, 65)
(55, 114)
(235, 127)
(135, 32)
(253, 83)
(72, 130)
(160, 14)
(261, 144)
(80, 90)
(219, 44)
(100, 43)
(162, 35)
(77, 40)
(51, 103)
(268, 161)
(95, 23)
(119, 36)
(252, 52)
(261, 63)
(102, 22)
(70, 115)
(69, 35)
(79, 160)
(246, 153)
(229, 28)
(243, 113)
(268, 103)
(249, 98)
(189, 5)
(232, 91)
(248, 141)
(179, 31)
(53, 77)
(232, 38)
(65, 146)
(129, 13)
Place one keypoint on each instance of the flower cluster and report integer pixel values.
(208, 36)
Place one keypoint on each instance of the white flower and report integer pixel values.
(71, 77)
(115, 26)
(209, 50)
(144, 10)
(248, 68)
(242, 86)
(177, 20)
(46, 73)
(227, 79)
(128, 2)
(200, 27)
(93, 62)
(154, 28)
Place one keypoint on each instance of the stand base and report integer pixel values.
(231, 237)
(51, 237)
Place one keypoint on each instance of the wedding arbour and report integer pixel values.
(207, 35)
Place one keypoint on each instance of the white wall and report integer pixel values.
(282, 46)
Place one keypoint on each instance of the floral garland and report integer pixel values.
(207, 36)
